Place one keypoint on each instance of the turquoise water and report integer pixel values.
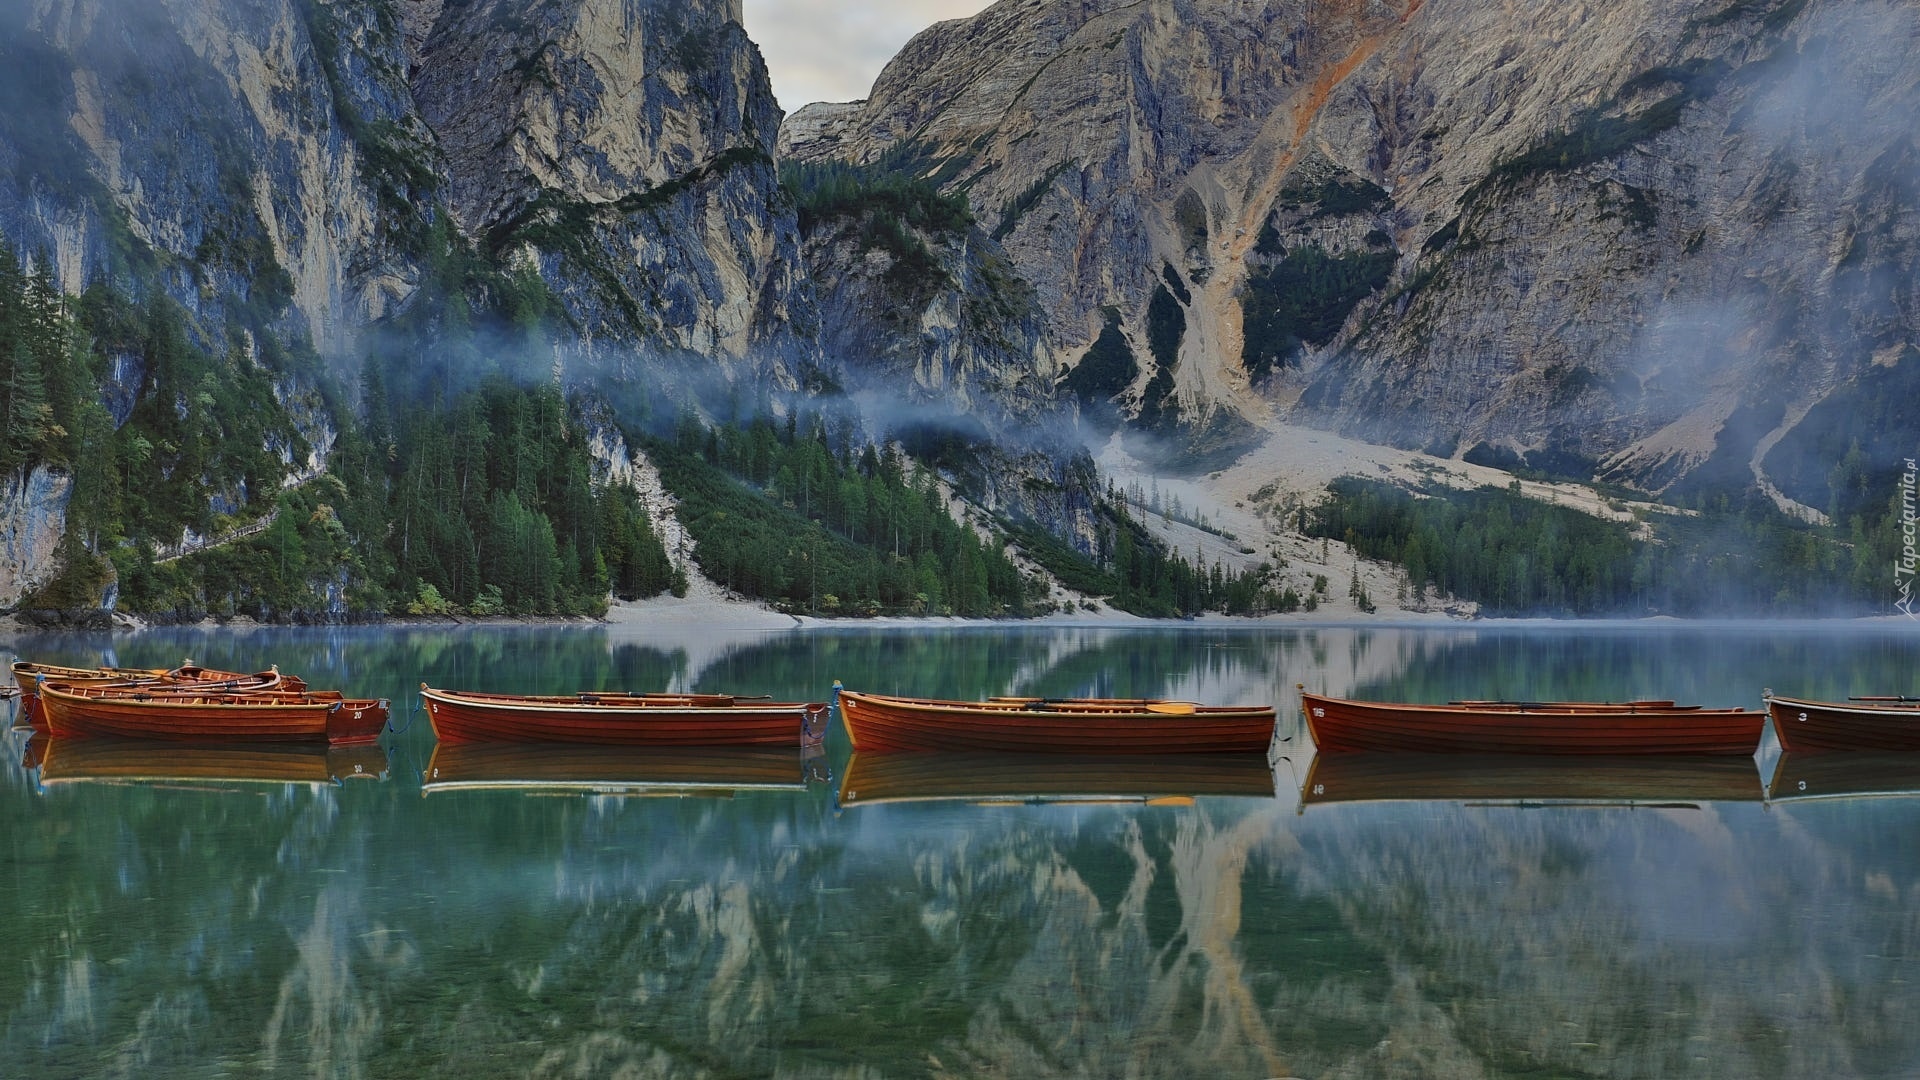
(213, 925)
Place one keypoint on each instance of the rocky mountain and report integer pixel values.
(300, 175)
(1664, 244)
(1671, 246)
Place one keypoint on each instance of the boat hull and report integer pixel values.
(617, 720)
(880, 723)
(83, 714)
(1341, 726)
(1636, 779)
(985, 777)
(1831, 725)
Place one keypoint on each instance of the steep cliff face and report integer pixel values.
(929, 323)
(33, 514)
(283, 164)
(624, 147)
(1644, 240)
(197, 141)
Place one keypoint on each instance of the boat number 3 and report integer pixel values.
(1803, 785)
(436, 774)
(1319, 712)
(1803, 718)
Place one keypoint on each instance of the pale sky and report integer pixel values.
(830, 50)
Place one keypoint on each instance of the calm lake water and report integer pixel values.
(806, 919)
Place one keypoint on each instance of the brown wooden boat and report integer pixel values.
(994, 778)
(1821, 775)
(27, 676)
(1634, 779)
(183, 713)
(879, 722)
(140, 761)
(613, 718)
(1568, 727)
(1862, 723)
(582, 768)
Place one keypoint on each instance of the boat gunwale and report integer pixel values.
(556, 704)
(199, 701)
(1020, 708)
(1888, 709)
(1503, 710)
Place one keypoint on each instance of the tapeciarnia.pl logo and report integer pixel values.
(1903, 570)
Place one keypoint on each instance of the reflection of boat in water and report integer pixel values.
(618, 718)
(136, 761)
(1639, 779)
(1103, 726)
(1555, 727)
(35, 750)
(1024, 778)
(1884, 724)
(1803, 775)
(621, 770)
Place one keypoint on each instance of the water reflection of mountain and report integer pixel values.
(1704, 665)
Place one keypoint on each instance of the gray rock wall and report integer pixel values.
(33, 517)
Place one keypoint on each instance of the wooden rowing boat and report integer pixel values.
(140, 761)
(26, 675)
(1569, 727)
(188, 676)
(582, 768)
(1635, 779)
(1866, 723)
(616, 718)
(1054, 725)
(996, 778)
(181, 713)
(1821, 775)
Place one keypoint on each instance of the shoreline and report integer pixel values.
(699, 614)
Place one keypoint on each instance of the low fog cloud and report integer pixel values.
(831, 50)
